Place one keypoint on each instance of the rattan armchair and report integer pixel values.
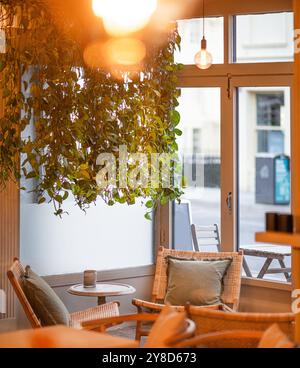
(15, 275)
(231, 291)
(210, 321)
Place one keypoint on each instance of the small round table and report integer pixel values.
(102, 290)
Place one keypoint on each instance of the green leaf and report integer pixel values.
(42, 200)
(148, 216)
(122, 200)
(58, 198)
(149, 204)
(59, 212)
(66, 185)
(65, 196)
(164, 201)
(175, 117)
(174, 146)
(178, 132)
(31, 175)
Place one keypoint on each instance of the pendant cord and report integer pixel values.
(203, 12)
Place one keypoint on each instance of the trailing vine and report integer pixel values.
(60, 114)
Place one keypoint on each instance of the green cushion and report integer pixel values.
(45, 303)
(197, 282)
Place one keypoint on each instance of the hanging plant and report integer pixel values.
(60, 114)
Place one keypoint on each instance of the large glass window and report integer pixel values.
(264, 38)
(104, 238)
(199, 148)
(269, 108)
(190, 31)
(264, 173)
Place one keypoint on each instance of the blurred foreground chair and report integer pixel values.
(210, 321)
(273, 337)
(232, 282)
(16, 274)
(63, 337)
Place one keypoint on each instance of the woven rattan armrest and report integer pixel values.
(158, 307)
(107, 310)
(151, 305)
(145, 317)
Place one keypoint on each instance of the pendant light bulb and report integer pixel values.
(203, 58)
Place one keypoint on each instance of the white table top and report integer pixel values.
(278, 249)
(102, 289)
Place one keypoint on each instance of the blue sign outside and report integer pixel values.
(282, 180)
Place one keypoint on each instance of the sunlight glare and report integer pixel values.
(122, 17)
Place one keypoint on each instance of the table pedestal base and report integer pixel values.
(101, 300)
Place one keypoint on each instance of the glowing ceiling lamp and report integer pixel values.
(99, 7)
(203, 58)
(122, 17)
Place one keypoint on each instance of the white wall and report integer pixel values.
(104, 238)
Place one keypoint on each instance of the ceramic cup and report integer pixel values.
(285, 223)
(89, 278)
(271, 221)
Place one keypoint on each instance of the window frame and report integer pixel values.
(229, 77)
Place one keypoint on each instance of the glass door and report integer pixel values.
(200, 153)
(264, 152)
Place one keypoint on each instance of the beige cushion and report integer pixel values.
(197, 282)
(47, 306)
(275, 338)
(168, 325)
